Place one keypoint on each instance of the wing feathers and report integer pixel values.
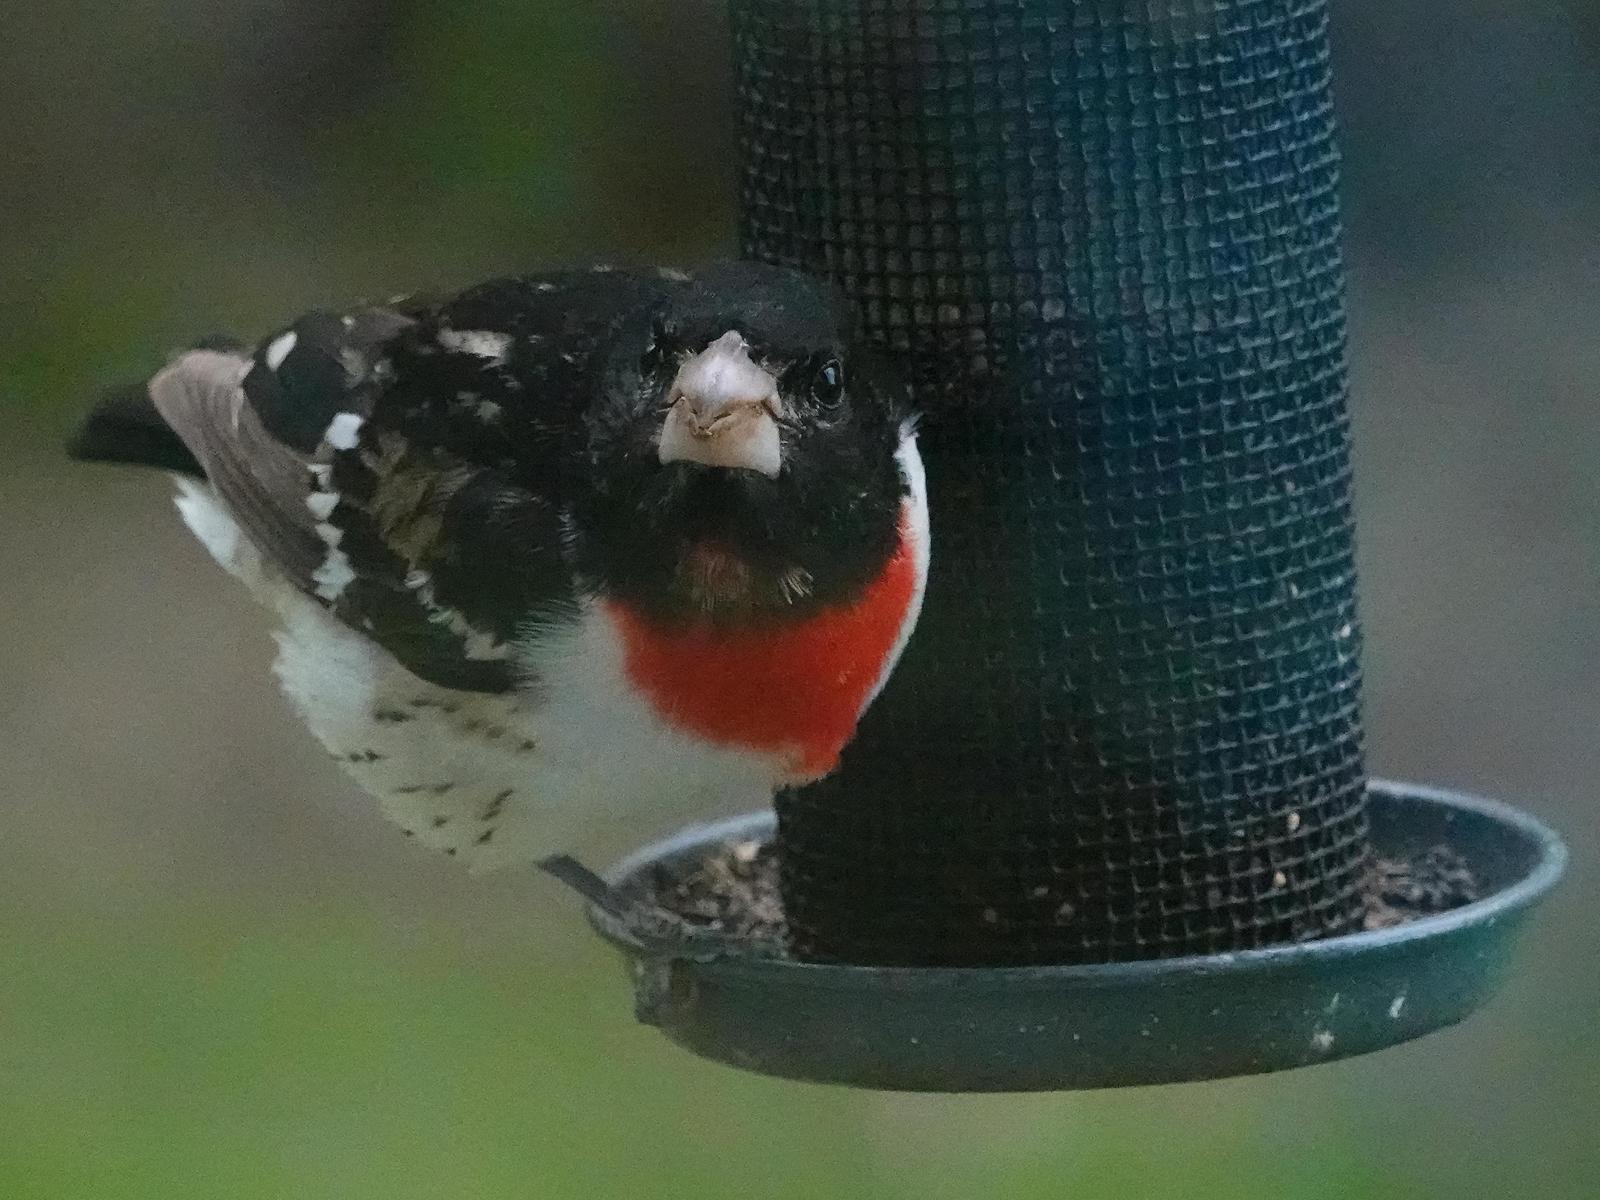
(262, 482)
(380, 460)
(351, 517)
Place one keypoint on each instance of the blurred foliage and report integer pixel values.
(180, 167)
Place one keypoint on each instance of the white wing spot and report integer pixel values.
(475, 643)
(483, 343)
(344, 431)
(334, 575)
(331, 535)
(673, 274)
(322, 504)
(279, 350)
(1397, 1007)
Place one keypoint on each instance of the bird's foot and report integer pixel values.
(632, 918)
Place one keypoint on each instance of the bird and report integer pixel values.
(562, 548)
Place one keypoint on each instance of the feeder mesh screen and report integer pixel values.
(1105, 235)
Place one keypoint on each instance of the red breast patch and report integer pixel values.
(796, 688)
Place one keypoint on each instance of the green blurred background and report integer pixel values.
(221, 975)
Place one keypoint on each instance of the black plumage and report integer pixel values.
(448, 475)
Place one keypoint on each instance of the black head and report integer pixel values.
(742, 455)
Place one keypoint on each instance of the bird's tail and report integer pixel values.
(124, 427)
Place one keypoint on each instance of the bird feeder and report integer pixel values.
(1109, 822)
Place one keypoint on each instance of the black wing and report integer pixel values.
(405, 464)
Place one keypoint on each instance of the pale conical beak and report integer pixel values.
(724, 411)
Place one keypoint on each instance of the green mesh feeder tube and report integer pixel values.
(1107, 237)
(1109, 822)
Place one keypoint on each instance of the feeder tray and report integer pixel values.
(1041, 1028)
(1108, 823)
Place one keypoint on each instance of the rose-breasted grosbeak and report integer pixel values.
(563, 546)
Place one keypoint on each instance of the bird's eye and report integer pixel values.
(828, 386)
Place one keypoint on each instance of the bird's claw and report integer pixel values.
(636, 920)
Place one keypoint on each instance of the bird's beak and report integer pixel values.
(724, 411)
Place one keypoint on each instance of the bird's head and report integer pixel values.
(742, 455)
